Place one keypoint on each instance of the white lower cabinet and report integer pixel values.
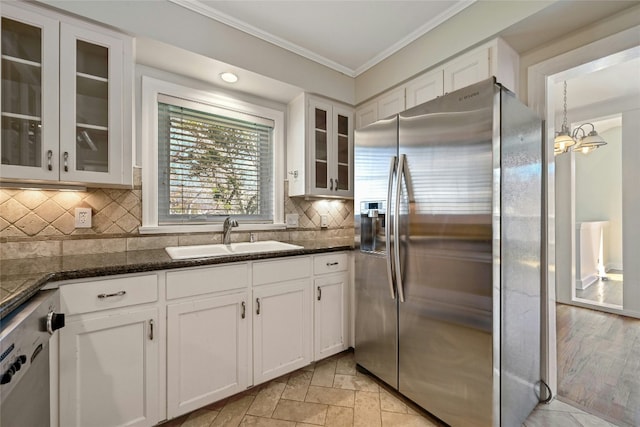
(330, 315)
(207, 351)
(222, 329)
(282, 332)
(109, 370)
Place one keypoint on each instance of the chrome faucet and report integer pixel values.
(226, 229)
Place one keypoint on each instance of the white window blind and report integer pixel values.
(213, 163)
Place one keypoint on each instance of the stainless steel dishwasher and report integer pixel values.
(24, 360)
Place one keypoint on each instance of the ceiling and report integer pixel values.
(353, 36)
(348, 36)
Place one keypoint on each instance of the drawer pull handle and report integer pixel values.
(244, 310)
(258, 306)
(49, 155)
(151, 329)
(115, 294)
(331, 186)
(66, 161)
(331, 264)
(319, 293)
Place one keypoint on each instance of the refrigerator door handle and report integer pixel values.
(396, 227)
(390, 275)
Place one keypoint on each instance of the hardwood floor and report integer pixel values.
(604, 291)
(599, 363)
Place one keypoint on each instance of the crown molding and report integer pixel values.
(210, 12)
(413, 36)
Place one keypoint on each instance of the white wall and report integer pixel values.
(596, 31)
(598, 186)
(631, 210)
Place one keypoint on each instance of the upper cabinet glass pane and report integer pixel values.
(21, 41)
(21, 94)
(92, 107)
(343, 125)
(321, 119)
(92, 59)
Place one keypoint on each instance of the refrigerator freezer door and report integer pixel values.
(445, 323)
(376, 308)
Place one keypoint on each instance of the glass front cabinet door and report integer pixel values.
(331, 151)
(90, 101)
(65, 114)
(29, 137)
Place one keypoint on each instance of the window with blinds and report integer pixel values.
(213, 163)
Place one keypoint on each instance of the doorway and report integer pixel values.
(598, 54)
(590, 193)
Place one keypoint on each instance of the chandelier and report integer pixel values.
(578, 140)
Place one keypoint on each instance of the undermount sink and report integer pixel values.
(206, 251)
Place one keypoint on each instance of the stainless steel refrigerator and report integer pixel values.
(448, 229)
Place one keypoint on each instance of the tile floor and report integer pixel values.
(332, 393)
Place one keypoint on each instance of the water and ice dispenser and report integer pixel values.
(372, 226)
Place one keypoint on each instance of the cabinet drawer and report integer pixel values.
(281, 270)
(86, 297)
(199, 281)
(330, 263)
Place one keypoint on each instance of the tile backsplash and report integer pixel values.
(41, 222)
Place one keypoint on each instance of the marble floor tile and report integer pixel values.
(266, 400)
(330, 396)
(366, 412)
(352, 400)
(304, 412)
(297, 386)
(390, 403)
(200, 418)
(233, 412)
(351, 382)
(392, 419)
(324, 373)
(339, 416)
(251, 421)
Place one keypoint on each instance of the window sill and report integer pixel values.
(166, 229)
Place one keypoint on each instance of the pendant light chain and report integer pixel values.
(564, 122)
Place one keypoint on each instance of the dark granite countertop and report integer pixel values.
(20, 279)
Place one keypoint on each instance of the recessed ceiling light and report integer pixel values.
(229, 77)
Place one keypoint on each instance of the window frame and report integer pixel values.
(151, 88)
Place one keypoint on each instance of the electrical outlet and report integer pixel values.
(324, 221)
(83, 217)
(292, 220)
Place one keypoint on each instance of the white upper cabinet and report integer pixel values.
(391, 103)
(465, 70)
(66, 100)
(319, 148)
(424, 88)
(495, 58)
(367, 114)
(30, 88)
